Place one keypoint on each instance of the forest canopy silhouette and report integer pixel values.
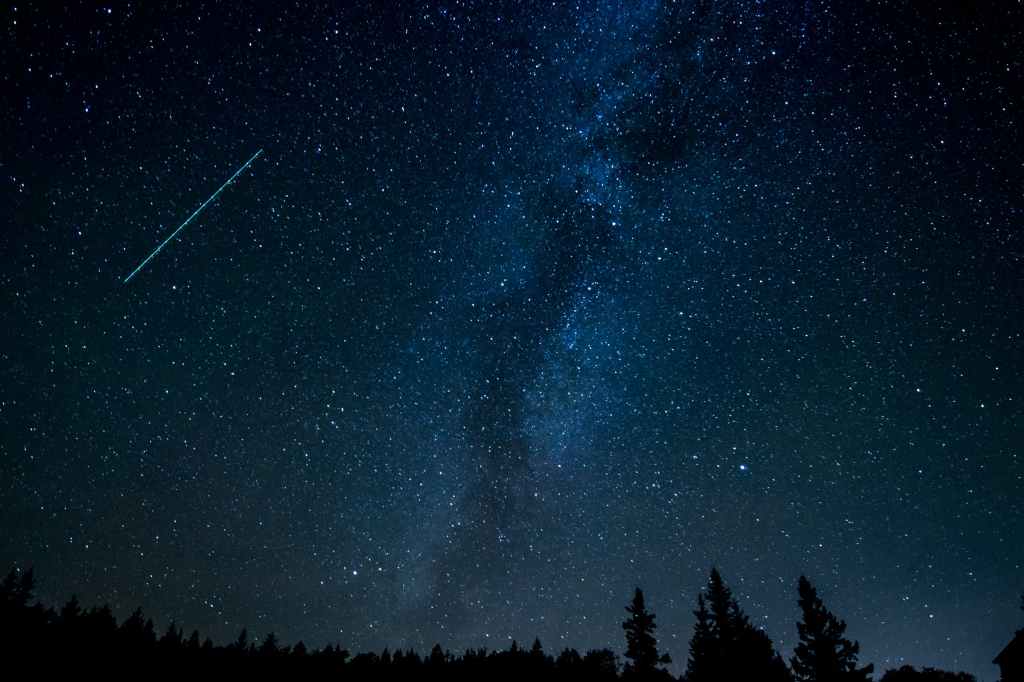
(724, 646)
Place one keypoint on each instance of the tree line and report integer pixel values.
(725, 647)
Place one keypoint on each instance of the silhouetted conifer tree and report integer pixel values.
(823, 653)
(567, 661)
(269, 647)
(702, 645)
(726, 646)
(241, 644)
(131, 629)
(23, 626)
(171, 641)
(149, 632)
(641, 645)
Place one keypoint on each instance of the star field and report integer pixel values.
(524, 305)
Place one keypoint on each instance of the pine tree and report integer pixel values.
(241, 644)
(539, 662)
(702, 644)
(719, 596)
(567, 662)
(726, 621)
(725, 645)
(149, 632)
(132, 630)
(269, 647)
(823, 654)
(641, 646)
(171, 641)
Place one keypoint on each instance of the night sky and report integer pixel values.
(523, 305)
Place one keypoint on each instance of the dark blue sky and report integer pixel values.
(524, 304)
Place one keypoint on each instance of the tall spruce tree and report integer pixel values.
(641, 645)
(702, 645)
(823, 653)
(725, 645)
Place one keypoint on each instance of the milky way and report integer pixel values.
(523, 306)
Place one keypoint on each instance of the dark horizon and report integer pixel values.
(521, 306)
(94, 637)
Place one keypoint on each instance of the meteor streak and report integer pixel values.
(197, 212)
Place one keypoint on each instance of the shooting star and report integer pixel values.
(197, 212)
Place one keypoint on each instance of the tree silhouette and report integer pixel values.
(702, 644)
(133, 629)
(725, 646)
(21, 625)
(269, 647)
(568, 661)
(171, 641)
(241, 644)
(824, 654)
(641, 646)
